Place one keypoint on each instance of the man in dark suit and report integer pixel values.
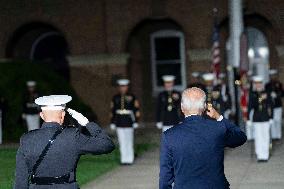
(192, 153)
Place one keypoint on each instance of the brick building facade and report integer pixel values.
(106, 39)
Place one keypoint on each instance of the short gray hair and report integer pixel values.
(193, 99)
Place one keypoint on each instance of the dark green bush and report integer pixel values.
(13, 77)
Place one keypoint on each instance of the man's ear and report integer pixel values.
(205, 107)
(63, 113)
(41, 115)
(182, 108)
(62, 117)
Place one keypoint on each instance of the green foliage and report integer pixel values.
(7, 162)
(13, 77)
(90, 167)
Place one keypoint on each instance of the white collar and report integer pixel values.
(191, 115)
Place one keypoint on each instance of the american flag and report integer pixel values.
(216, 55)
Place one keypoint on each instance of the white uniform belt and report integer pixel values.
(124, 112)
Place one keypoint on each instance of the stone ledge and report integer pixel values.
(199, 54)
(100, 59)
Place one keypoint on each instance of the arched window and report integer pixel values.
(258, 53)
(168, 58)
(40, 42)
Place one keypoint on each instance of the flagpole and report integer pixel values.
(233, 47)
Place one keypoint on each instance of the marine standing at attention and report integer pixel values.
(168, 112)
(260, 112)
(124, 119)
(30, 109)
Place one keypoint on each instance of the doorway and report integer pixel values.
(144, 44)
(258, 53)
(40, 43)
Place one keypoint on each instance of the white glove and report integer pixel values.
(112, 126)
(273, 95)
(82, 120)
(271, 122)
(159, 125)
(24, 116)
(249, 123)
(135, 125)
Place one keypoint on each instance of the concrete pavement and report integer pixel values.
(142, 175)
(242, 171)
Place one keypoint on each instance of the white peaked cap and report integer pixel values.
(249, 73)
(208, 76)
(257, 78)
(31, 83)
(168, 78)
(222, 75)
(123, 82)
(195, 74)
(273, 72)
(53, 102)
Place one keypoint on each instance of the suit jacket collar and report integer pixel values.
(193, 117)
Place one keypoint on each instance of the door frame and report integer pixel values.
(168, 33)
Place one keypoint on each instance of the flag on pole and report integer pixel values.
(244, 62)
(244, 68)
(216, 53)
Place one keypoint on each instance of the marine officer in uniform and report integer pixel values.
(226, 97)
(209, 85)
(30, 109)
(124, 119)
(217, 100)
(168, 112)
(275, 88)
(47, 157)
(196, 81)
(260, 115)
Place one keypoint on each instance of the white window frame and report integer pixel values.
(162, 34)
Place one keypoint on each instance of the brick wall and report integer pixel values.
(106, 27)
(91, 77)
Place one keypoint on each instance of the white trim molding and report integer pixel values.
(164, 34)
(99, 59)
(39, 39)
(199, 54)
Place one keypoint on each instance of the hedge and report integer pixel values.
(13, 78)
